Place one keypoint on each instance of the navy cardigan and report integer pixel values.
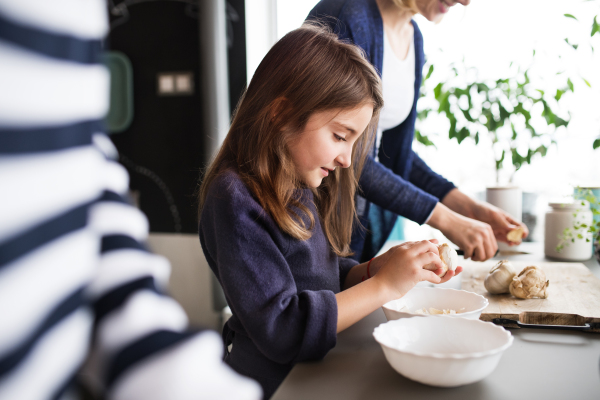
(401, 182)
(281, 290)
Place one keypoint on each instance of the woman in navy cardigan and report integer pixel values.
(396, 181)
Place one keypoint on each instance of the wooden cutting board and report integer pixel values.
(573, 294)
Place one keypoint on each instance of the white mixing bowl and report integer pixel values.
(466, 304)
(443, 352)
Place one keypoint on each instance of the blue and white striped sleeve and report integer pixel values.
(79, 291)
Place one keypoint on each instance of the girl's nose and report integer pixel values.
(344, 160)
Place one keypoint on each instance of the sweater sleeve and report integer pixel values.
(244, 246)
(383, 187)
(346, 264)
(424, 178)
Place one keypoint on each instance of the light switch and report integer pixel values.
(175, 83)
(184, 83)
(166, 84)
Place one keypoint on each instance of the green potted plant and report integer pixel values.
(581, 231)
(502, 109)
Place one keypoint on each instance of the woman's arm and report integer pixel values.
(381, 186)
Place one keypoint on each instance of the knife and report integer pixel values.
(462, 252)
(502, 253)
(510, 323)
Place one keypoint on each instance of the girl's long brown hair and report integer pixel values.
(309, 70)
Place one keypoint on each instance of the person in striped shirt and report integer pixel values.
(81, 297)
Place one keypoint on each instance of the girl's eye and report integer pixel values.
(339, 138)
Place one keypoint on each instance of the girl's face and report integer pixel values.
(434, 10)
(326, 142)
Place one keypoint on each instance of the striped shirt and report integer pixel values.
(81, 297)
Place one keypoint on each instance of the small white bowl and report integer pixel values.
(466, 304)
(444, 352)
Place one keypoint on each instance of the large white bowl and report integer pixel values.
(443, 352)
(470, 303)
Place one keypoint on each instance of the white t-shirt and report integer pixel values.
(398, 79)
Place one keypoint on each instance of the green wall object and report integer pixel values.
(120, 113)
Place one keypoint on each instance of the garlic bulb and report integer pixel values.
(449, 259)
(500, 277)
(516, 235)
(530, 283)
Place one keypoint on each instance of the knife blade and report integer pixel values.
(498, 252)
(510, 323)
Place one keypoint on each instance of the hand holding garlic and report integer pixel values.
(516, 235)
(449, 260)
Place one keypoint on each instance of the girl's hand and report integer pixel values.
(401, 268)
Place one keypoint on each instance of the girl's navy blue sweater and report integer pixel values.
(281, 290)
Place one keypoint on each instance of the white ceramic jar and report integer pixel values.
(568, 215)
(509, 199)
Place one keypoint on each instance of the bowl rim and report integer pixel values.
(485, 303)
(456, 356)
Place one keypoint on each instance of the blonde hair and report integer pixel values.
(408, 5)
(307, 71)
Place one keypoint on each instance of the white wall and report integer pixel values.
(261, 31)
(190, 282)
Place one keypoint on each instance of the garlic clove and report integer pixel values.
(530, 283)
(500, 277)
(449, 259)
(516, 235)
(448, 256)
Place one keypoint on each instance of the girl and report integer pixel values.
(277, 207)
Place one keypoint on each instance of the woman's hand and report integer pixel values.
(474, 237)
(500, 221)
(401, 268)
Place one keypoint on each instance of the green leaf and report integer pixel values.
(558, 94)
(423, 139)
(596, 143)
(586, 82)
(438, 90)
(595, 27)
(570, 16)
(542, 150)
(462, 134)
(571, 44)
(467, 115)
(429, 72)
(499, 162)
(570, 84)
